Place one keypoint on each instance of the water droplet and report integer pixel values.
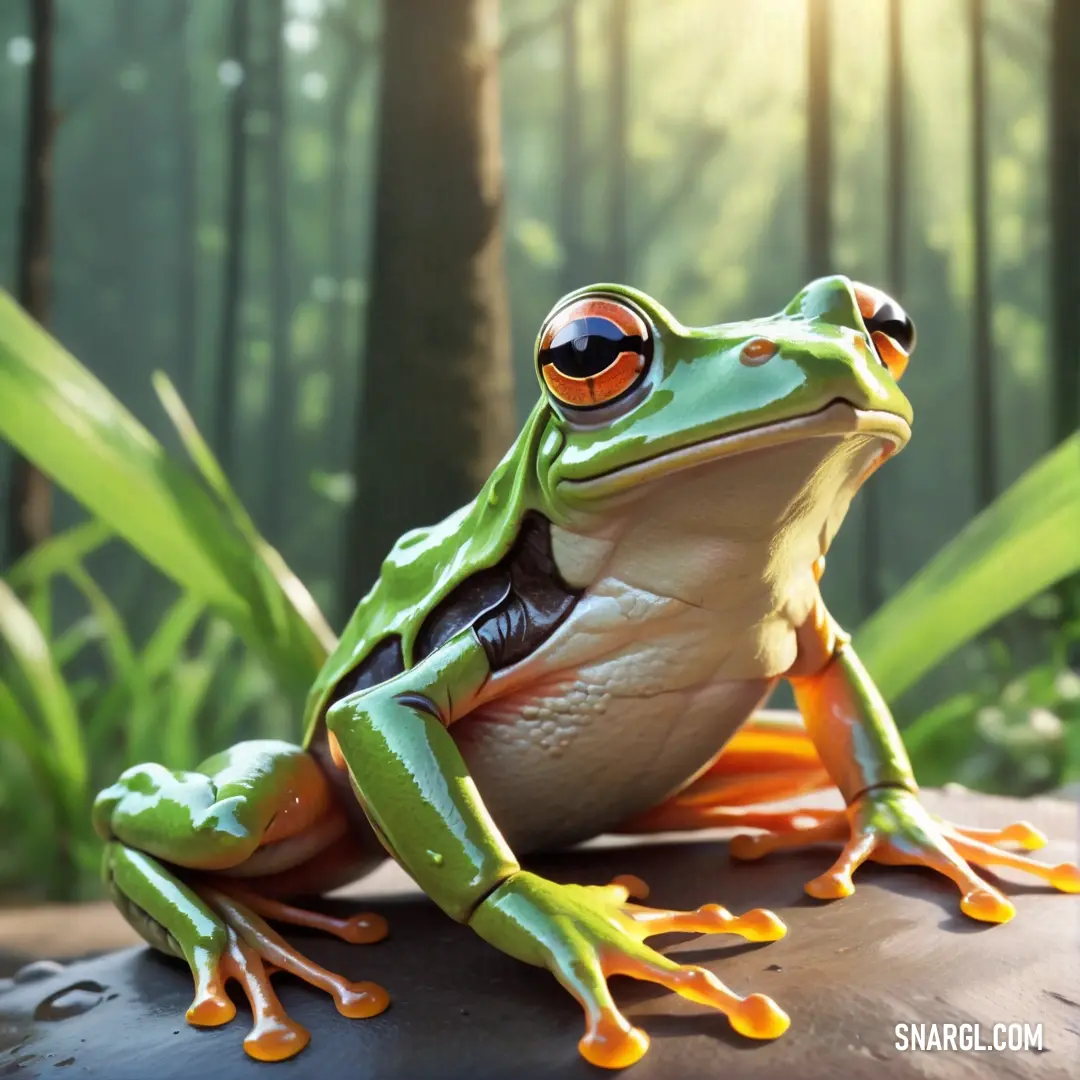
(73, 1000)
(38, 970)
(774, 967)
(436, 857)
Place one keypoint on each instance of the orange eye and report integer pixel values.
(889, 327)
(593, 351)
(892, 356)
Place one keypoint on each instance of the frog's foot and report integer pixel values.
(261, 808)
(888, 825)
(222, 939)
(355, 1000)
(586, 934)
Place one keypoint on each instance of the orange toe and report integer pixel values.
(365, 929)
(635, 888)
(1066, 877)
(613, 1045)
(830, 887)
(747, 846)
(276, 1038)
(761, 925)
(361, 1000)
(213, 1010)
(1024, 834)
(987, 906)
(759, 1017)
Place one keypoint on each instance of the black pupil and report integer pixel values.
(585, 347)
(891, 319)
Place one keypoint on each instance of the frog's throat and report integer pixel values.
(839, 417)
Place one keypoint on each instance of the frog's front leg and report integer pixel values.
(857, 739)
(184, 856)
(417, 792)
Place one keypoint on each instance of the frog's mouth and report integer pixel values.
(839, 417)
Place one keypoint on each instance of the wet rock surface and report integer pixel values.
(898, 951)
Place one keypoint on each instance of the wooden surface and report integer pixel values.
(898, 951)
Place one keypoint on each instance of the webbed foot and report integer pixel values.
(889, 825)
(256, 951)
(219, 931)
(586, 934)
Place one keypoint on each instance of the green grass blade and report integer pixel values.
(50, 695)
(116, 644)
(16, 725)
(140, 701)
(187, 689)
(61, 417)
(284, 588)
(57, 554)
(70, 643)
(166, 645)
(128, 696)
(1027, 540)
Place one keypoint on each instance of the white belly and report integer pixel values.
(688, 622)
(625, 704)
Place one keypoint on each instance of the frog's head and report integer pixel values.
(635, 397)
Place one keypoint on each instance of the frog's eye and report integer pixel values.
(593, 351)
(889, 327)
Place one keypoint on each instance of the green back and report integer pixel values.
(425, 565)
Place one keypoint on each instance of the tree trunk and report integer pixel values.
(279, 428)
(818, 141)
(982, 341)
(30, 498)
(572, 178)
(871, 558)
(436, 410)
(233, 271)
(618, 268)
(1064, 216)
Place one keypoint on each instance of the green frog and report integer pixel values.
(583, 648)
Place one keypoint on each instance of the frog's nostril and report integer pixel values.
(882, 314)
(758, 351)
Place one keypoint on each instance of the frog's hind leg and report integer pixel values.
(173, 918)
(188, 857)
(769, 759)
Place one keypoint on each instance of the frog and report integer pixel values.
(586, 647)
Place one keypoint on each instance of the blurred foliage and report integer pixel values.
(187, 690)
(1016, 548)
(1013, 733)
